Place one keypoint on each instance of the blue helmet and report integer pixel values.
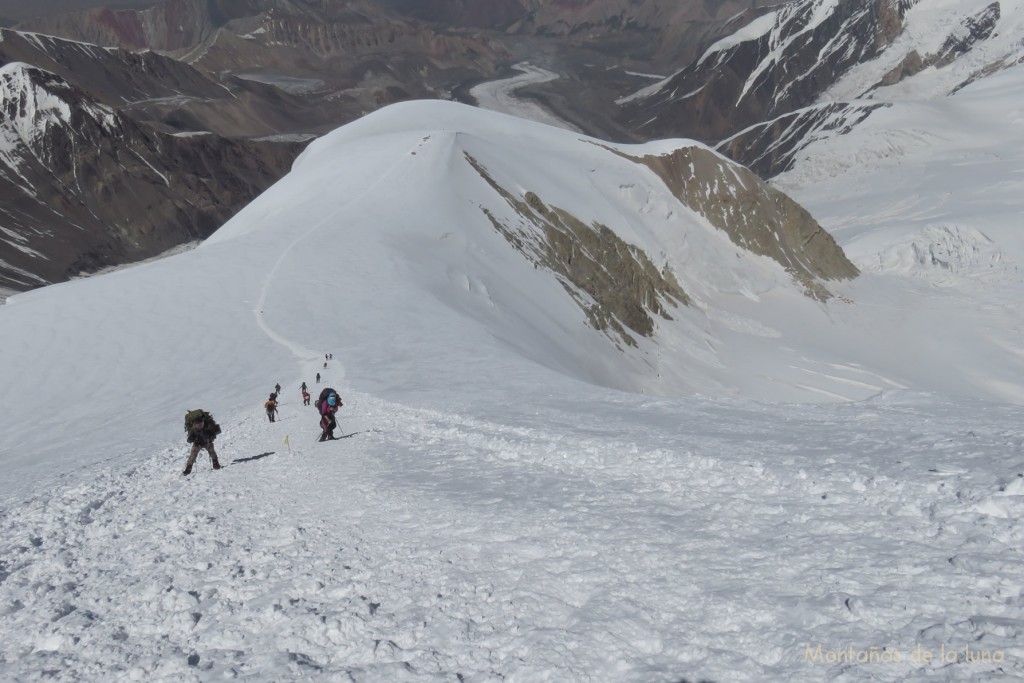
(332, 399)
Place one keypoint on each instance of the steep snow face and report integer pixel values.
(941, 48)
(29, 110)
(876, 48)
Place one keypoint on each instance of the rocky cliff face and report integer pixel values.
(579, 17)
(754, 215)
(83, 187)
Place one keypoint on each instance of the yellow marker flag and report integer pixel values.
(287, 444)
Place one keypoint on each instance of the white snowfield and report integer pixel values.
(515, 498)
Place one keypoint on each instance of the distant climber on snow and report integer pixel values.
(201, 430)
(271, 407)
(277, 388)
(305, 397)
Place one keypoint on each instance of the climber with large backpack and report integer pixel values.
(271, 407)
(201, 430)
(327, 405)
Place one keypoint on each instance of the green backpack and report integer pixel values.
(197, 414)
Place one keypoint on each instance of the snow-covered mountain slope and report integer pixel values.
(928, 189)
(434, 236)
(501, 511)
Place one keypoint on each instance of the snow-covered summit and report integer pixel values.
(535, 236)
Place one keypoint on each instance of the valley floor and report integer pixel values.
(624, 539)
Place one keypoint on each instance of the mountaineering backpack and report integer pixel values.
(270, 406)
(193, 415)
(323, 397)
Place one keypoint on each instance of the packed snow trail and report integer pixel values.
(445, 545)
(301, 352)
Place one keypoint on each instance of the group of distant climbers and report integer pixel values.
(202, 430)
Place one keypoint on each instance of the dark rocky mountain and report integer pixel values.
(171, 94)
(358, 50)
(496, 15)
(791, 56)
(113, 76)
(374, 52)
(219, 73)
(13, 11)
(763, 92)
(83, 186)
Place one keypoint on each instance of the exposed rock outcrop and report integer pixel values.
(614, 282)
(755, 215)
